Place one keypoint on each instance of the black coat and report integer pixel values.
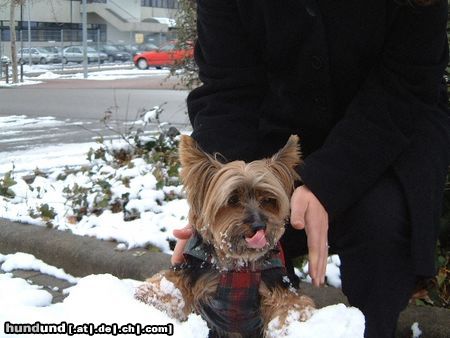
(361, 83)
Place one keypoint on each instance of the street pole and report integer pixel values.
(21, 53)
(29, 31)
(98, 47)
(21, 29)
(85, 65)
(21, 42)
(62, 48)
(1, 52)
(71, 23)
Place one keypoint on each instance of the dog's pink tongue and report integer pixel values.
(257, 241)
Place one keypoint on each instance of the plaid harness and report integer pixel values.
(236, 304)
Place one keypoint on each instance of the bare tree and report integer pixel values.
(12, 30)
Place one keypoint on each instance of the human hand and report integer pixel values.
(183, 236)
(308, 213)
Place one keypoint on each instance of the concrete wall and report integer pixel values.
(149, 12)
(133, 7)
(116, 36)
(46, 11)
(59, 10)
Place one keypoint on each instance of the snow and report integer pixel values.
(157, 218)
(26, 261)
(15, 124)
(335, 321)
(94, 74)
(106, 300)
(96, 299)
(46, 157)
(16, 291)
(416, 332)
(332, 274)
(26, 82)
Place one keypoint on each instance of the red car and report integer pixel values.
(166, 55)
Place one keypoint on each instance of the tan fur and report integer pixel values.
(278, 302)
(221, 197)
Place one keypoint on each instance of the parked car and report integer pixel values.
(146, 47)
(114, 54)
(38, 55)
(131, 49)
(166, 55)
(75, 54)
(53, 49)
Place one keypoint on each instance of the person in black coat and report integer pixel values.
(361, 83)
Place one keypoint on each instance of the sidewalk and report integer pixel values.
(82, 256)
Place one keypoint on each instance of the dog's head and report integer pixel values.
(239, 208)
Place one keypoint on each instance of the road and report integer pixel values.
(69, 111)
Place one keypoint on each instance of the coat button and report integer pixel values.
(317, 62)
(310, 11)
(321, 103)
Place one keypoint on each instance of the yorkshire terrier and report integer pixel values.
(234, 274)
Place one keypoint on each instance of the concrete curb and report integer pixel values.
(79, 256)
(74, 70)
(82, 256)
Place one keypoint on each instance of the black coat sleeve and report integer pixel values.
(401, 102)
(224, 111)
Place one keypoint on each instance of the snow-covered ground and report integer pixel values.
(96, 299)
(22, 134)
(47, 73)
(99, 302)
(106, 74)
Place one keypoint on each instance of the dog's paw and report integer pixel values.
(306, 313)
(163, 295)
(279, 327)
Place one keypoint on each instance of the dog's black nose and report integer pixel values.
(258, 226)
(256, 220)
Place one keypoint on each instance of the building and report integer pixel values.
(58, 22)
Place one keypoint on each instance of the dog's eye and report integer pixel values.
(233, 200)
(268, 202)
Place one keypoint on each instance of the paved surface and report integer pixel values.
(147, 82)
(81, 256)
(78, 106)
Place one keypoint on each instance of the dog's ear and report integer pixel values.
(283, 163)
(197, 170)
(191, 155)
(289, 155)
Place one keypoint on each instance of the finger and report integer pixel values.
(324, 265)
(299, 205)
(314, 269)
(323, 254)
(322, 269)
(318, 272)
(313, 256)
(317, 232)
(323, 250)
(177, 256)
(183, 233)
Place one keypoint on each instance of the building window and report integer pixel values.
(53, 31)
(160, 3)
